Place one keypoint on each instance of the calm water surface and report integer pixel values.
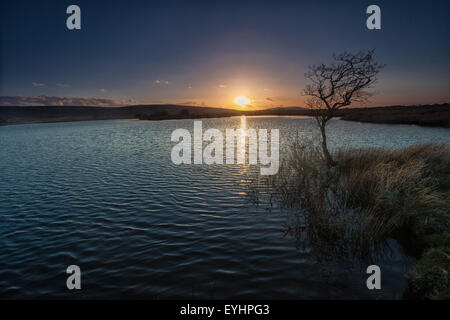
(104, 195)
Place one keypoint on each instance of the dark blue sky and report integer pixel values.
(208, 52)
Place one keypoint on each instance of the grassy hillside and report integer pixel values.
(428, 115)
(18, 115)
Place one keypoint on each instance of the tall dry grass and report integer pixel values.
(351, 210)
(406, 187)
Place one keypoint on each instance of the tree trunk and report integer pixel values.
(326, 153)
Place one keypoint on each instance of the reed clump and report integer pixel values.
(371, 195)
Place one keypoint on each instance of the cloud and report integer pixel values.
(162, 82)
(128, 101)
(269, 99)
(63, 85)
(102, 90)
(38, 84)
(62, 101)
(190, 103)
(222, 86)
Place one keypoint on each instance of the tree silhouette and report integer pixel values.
(337, 85)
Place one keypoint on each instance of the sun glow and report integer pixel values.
(242, 101)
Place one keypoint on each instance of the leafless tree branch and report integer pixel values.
(338, 85)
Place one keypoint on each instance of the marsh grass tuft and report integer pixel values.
(351, 210)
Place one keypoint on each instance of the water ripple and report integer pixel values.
(105, 196)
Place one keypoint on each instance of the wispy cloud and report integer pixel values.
(190, 103)
(38, 84)
(102, 90)
(128, 101)
(222, 86)
(62, 101)
(63, 85)
(162, 82)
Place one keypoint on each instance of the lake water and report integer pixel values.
(105, 195)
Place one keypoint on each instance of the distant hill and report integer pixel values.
(426, 115)
(429, 115)
(20, 115)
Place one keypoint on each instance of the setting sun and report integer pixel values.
(242, 101)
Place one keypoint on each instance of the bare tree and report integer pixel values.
(335, 86)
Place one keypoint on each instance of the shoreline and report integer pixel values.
(426, 115)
